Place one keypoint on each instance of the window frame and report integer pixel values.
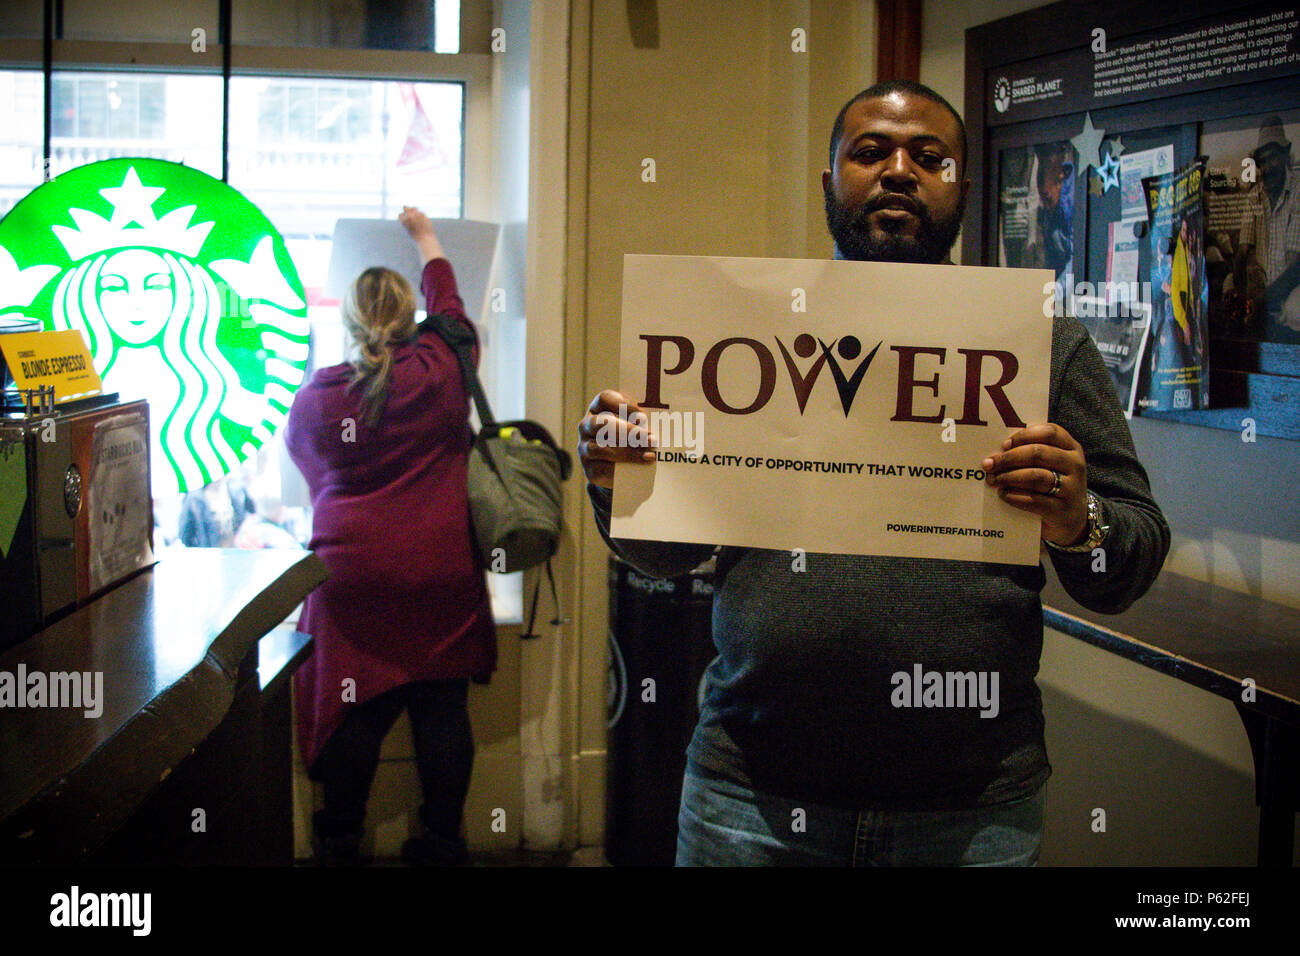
(473, 70)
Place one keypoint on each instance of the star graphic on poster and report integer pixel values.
(1116, 147)
(1088, 144)
(1109, 172)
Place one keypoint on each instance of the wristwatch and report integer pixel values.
(1096, 530)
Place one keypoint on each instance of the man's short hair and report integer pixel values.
(896, 86)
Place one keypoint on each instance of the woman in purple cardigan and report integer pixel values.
(404, 619)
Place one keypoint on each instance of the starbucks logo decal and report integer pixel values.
(185, 293)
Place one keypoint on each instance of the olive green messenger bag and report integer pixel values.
(515, 475)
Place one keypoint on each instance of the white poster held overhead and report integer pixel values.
(833, 406)
(361, 243)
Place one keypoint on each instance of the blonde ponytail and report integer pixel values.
(379, 312)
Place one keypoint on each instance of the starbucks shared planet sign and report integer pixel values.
(185, 294)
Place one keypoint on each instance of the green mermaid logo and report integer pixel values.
(206, 319)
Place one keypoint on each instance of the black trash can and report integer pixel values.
(660, 642)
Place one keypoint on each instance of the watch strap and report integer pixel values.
(1096, 530)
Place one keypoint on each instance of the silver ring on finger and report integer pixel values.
(1056, 485)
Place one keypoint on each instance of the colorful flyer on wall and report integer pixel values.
(1177, 367)
(832, 406)
(1119, 319)
(1135, 167)
(1119, 329)
(1122, 256)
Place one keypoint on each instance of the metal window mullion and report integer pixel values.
(223, 35)
(47, 71)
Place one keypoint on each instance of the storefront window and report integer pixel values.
(171, 116)
(20, 137)
(309, 152)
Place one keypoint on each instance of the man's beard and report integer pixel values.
(853, 235)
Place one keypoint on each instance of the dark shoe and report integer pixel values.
(432, 850)
(334, 844)
(337, 850)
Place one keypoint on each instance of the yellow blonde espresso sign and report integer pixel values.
(60, 359)
(831, 406)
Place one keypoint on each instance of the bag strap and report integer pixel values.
(460, 340)
(555, 598)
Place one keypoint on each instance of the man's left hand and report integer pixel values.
(1041, 469)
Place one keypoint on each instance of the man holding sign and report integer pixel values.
(881, 710)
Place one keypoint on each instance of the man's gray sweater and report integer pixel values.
(799, 699)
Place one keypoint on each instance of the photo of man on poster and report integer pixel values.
(1051, 238)
(1036, 227)
(1270, 234)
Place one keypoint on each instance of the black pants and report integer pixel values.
(444, 756)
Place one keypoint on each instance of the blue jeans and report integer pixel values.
(724, 824)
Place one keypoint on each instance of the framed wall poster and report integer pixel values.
(1252, 225)
(1220, 81)
(1036, 216)
(1177, 375)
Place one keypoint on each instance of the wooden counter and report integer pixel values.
(177, 648)
(1215, 638)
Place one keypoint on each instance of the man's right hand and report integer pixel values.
(615, 429)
